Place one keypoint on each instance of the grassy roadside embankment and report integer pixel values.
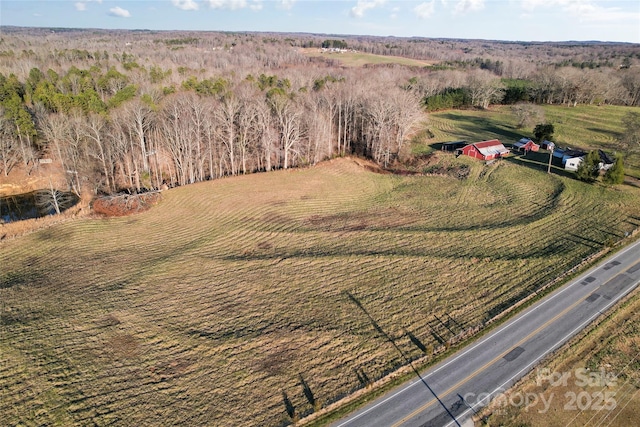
(594, 380)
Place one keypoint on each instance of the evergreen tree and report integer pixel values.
(543, 131)
(589, 169)
(615, 174)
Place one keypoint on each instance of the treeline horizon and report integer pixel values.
(134, 111)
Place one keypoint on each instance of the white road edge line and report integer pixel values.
(488, 337)
(552, 348)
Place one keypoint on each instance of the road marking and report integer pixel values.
(560, 342)
(491, 362)
(489, 336)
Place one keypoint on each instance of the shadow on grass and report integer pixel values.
(308, 393)
(416, 342)
(363, 377)
(540, 161)
(386, 336)
(474, 126)
(291, 410)
(633, 220)
(590, 243)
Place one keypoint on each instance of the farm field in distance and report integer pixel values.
(359, 59)
(239, 300)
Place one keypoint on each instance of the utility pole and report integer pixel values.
(550, 147)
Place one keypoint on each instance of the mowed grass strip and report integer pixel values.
(231, 298)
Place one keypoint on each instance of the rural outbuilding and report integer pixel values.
(484, 150)
(526, 145)
(567, 153)
(606, 161)
(573, 163)
(573, 158)
(453, 145)
(547, 145)
(572, 154)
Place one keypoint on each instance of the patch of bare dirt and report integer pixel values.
(428, 164)
(370, 165)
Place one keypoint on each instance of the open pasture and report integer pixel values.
(359, 59)
(243, 300)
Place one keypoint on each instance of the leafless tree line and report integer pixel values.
(169, 134)
(189, 138)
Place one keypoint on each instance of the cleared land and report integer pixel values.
(359, 59)
(238, 301)
(206, 308)
(608, 355)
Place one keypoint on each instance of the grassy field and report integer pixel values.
(359, 59)
(611, 353)
(586, 127)
(257, 299)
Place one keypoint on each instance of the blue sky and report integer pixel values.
(523, 20)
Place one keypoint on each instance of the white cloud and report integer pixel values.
(82, 5)
(530, 5)
(286, 4)
(425, 10)
(584, 10)
(227, 4)
(595, 13)
(256, 5)
(185, 4)
(464, 6)
(119, 12)
(359, 9)
(234, 4)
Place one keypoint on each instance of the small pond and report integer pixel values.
(36, 204)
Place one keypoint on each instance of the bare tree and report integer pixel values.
(8, 145)
(95, 130)
(484, 88)
(226, 116)
(527, 114)
(53, 200)
(288, 119)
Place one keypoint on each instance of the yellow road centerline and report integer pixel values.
(494, 360)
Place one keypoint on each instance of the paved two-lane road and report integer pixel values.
(494, 363)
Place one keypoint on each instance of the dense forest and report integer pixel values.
(138, 110)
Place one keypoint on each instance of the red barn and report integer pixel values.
(485, 150)
(526, 145)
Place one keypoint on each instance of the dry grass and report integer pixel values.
(205, 309)
(610, 351)
(360, 59)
